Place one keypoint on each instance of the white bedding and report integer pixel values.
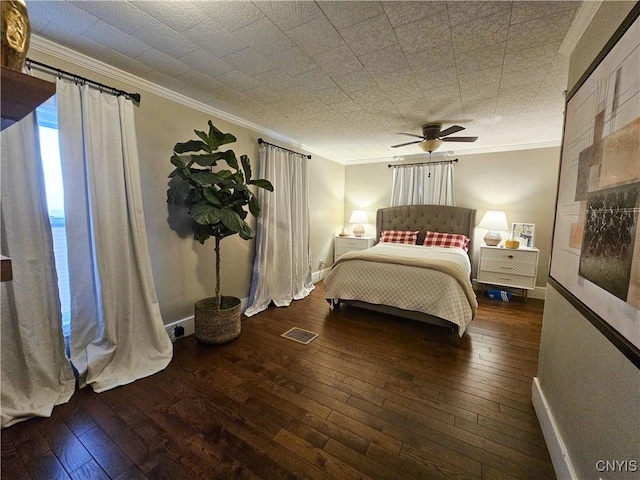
(358, 276)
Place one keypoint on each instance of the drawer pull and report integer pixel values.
(509, 256)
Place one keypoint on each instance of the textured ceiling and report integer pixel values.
(341, 78)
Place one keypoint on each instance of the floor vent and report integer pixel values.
(299, 335)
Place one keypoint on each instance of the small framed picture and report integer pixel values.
(523, 232)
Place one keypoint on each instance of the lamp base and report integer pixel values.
(358, 231)
(492, 238)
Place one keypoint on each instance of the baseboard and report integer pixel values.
(188, 323)
(319, 275)
(538, 292)
(555, 445)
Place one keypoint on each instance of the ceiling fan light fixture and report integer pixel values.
(430, 145)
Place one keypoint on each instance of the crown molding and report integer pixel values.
(586, 11)
(60, 52)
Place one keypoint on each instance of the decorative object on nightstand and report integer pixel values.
(511, 243)
(358, 217)
(348, 244)
(494, 221)
(508, 268)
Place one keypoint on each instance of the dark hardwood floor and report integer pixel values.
(372, 397)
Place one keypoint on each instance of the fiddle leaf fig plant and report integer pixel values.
(214, 194)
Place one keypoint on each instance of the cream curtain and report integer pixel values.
(423, 184)
(282, 265)
(36, 374)
(117, 333)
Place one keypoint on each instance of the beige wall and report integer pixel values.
(592, 390)
(368, 188)
(326, 203)
(522, 183)
(183, 269)
(606, 21)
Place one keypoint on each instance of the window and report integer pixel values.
(47, 115)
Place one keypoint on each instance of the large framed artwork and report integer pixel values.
(595, 257)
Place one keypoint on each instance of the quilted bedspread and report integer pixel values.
(431, 280)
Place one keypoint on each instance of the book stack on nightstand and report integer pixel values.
(516, 268)
(348, 244)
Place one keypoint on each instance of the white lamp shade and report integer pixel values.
(358, 216)
(494, 220)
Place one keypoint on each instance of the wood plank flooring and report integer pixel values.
(373, 396)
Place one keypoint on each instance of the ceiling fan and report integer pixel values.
(433, 136)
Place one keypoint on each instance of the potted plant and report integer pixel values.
(216, 199)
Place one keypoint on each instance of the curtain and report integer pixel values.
(423, 184)
(36, 374)
(282, 265)
(117, 333)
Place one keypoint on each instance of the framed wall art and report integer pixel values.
(595, 256)
(524, 232)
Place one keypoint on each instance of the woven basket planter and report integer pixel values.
(215, 326)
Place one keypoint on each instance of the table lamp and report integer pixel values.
(494, 221)
(358, 217)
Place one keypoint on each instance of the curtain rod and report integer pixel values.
(440, 162)
(77, 78)
(261, 141)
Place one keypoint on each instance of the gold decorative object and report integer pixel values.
(512, 243)
(16, 31)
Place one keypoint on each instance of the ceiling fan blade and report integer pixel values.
(459, 139)
(403, 144)
(410, 134)
(450, 130)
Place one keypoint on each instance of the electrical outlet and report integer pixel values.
(180, 328)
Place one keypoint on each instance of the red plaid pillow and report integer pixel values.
(437, 239)
(399, 236)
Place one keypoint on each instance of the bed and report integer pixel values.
(428, 284)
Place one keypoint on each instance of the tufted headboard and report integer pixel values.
(436, 218)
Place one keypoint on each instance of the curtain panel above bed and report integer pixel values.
(424, 184)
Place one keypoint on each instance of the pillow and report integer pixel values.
(437, 239)
(399, 236)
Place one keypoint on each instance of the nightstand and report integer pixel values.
(348, 244)
(516, 268)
